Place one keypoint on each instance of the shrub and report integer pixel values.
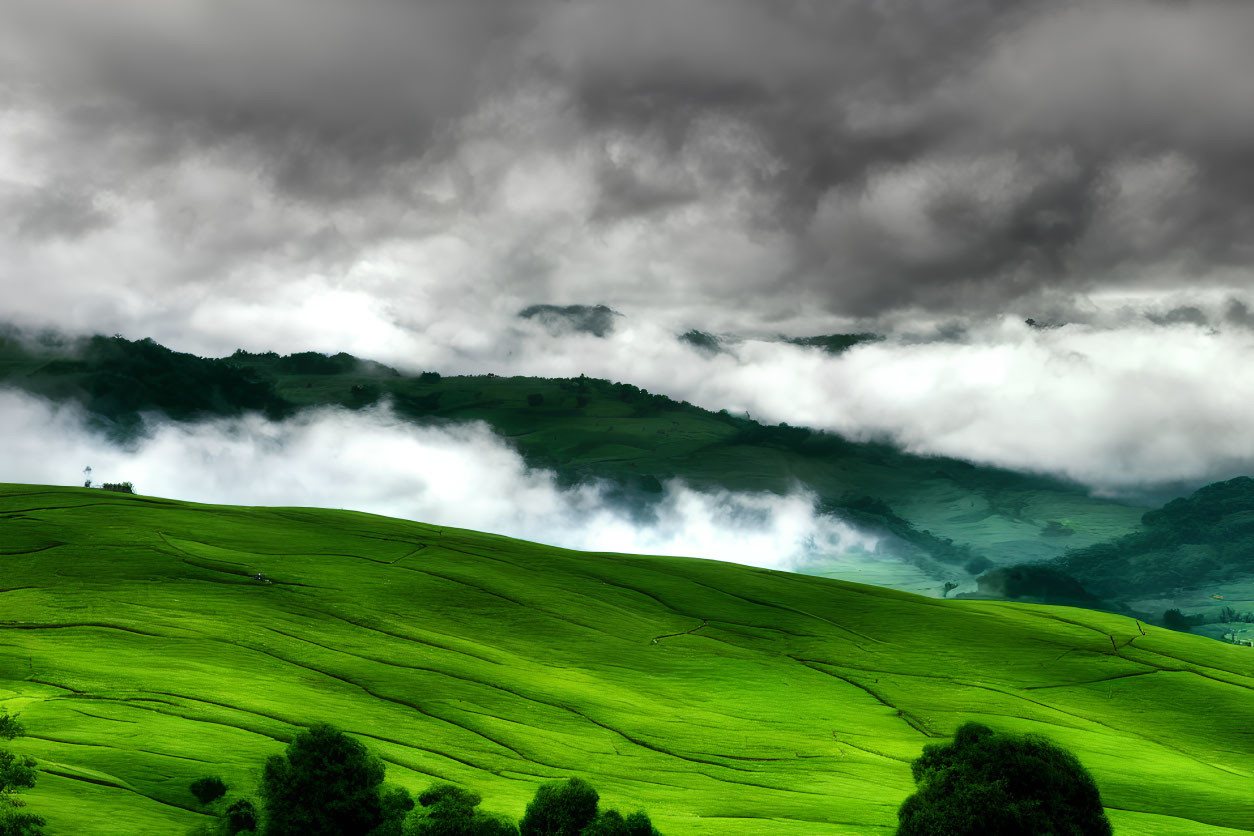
(118, 487)
(612, 823)
(448, 810)
(638, 824)
(1175, 620)
(987, 783)
(240, 817)
(208, 789)
(535, 399)
(326, 784)
(16, 773)
(396, 804)
(608, 823)
(560, 808)
(14, 823)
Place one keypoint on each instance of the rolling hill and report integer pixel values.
(1195, 554)
(142, 652)
(949, 518)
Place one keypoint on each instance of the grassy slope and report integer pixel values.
(724, 699)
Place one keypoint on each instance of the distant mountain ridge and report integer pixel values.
(952, 518)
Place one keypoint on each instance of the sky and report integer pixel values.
(399, 178)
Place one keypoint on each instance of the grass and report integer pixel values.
(142, 654)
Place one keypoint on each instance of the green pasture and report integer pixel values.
(142, 653)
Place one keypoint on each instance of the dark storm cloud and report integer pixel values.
(870, 156)
(330, 95)
(954, 152)
(53, 212)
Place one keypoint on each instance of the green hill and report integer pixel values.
(1195, 554)
(1204, 539)
(949, 517)
(142, 653)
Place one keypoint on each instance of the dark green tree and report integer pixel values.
(1176, 620)
(638, 824)
(988, 783)
(327, 784)
(16, 773)
(560, 808)
(240, 817)
(612, 823)
(396, 805)
(208, 789)
(607, 823)
(448, 810)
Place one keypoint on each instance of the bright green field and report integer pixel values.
(723, 699)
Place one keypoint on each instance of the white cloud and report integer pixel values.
(462, 476)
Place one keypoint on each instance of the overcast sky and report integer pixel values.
(398, 178)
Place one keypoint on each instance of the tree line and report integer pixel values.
(328, 784)
(982, 783)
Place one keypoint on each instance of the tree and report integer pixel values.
(1175, 620)
(612, 823)
(396, 803)
(560, 808)
(638, 824)
(988, 783)
(16, 773)
(208, 789)
(448, 810)
(240, 817)
(326, 784)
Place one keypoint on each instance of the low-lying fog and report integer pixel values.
(462, 476)
(1131, 399)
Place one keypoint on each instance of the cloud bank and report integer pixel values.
(399, 178)
(461, 476)
(756, 158)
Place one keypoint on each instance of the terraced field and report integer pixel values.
(142, 652)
